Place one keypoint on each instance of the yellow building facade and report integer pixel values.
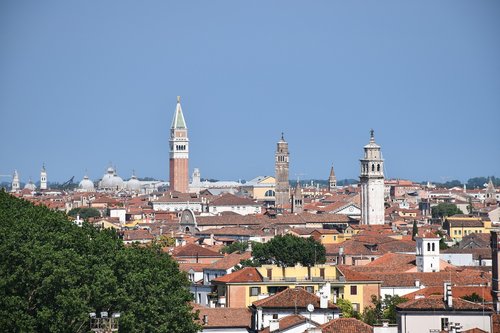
(459, 227)
(246, 287)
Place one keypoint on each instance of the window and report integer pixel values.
(433, 247)
(275, 316)
(254, 291)
(269, 193)
(310, 289)
(354, 290)
(444, 324)
(428, 246)
(378, 167)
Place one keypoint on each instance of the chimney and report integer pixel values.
(205, 319)
(323, 300)
(417, 283)
(447, 295)
(274, 325)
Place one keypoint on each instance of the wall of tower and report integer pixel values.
(179, 176)
(372, 201)
(282, 188)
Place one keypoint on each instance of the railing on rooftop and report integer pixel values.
(304, 279)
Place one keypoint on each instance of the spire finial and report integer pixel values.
(282, 136)
(178, 99)
(372, 136)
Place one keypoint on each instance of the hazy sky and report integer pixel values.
(86, 83)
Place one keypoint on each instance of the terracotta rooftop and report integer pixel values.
(247, 274)
(228, 199)
(288, 322)
(457, 291)
(352, 275)
(437, 303)
(224, 317)
(291, 298)
(230, 260)
(346, 325)
(193, 250)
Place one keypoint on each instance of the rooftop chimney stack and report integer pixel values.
(448, 298)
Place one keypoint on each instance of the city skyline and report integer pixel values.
(83, 85)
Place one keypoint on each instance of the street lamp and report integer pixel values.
(104, 323)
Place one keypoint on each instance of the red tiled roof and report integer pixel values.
(228, 199)
(291, 298)
(224, 317)
(247, 274)
(351, 275)
(230, 260)
(193, 250)
(457, 291)
(346, 325)
(436, 303)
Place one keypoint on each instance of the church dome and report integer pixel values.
(107, 179)
(134, 184)
(117, 182)
(86, 184)
(30, 186)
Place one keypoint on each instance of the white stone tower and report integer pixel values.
(427, 252)
(372, 184)
(179, 151)
(43, 178)
(16, 185)
(332, 180)
(282, 189)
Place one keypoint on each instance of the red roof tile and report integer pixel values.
(291, 298)
(247, 274)
(346, 325)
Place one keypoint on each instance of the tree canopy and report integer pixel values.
(382, 309)
(84, 212)
(289, 250)
(54, 273)
(445, 209)
(236, 246)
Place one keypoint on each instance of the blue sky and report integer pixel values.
(86, 83)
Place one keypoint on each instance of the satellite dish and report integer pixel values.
(310, 307)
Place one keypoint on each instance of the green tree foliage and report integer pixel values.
(478, 182)
(164, 241)
(347, 309)
(474, 297)
(414, 230)
(289, 250)
(84, 213)
(53, 273)
(382, 309)
(235, 247)
(445, 209)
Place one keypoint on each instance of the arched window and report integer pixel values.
(433, 247)
(269, 193)
(373, 167)
(378, 167)
(428, 246)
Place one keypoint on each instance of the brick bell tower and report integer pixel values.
(179, 152)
